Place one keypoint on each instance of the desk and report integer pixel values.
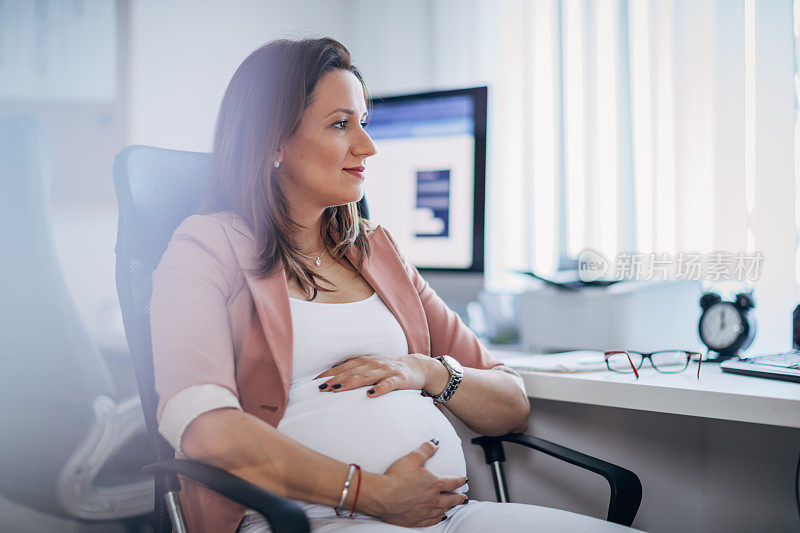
(716, 394)
(716, 455)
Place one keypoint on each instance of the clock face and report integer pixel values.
(721, 325)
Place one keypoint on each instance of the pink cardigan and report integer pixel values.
(214, 322)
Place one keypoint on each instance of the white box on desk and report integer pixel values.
(632, 315)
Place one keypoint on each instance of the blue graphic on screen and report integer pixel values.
(433, 204)
(446, 115)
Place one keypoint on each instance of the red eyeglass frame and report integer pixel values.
(649, 355)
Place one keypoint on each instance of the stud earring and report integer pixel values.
(276, 164)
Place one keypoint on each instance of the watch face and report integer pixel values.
(453, 363)
(721, 325)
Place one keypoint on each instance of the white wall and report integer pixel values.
(183, 53)
(775, 200)
(391, 44)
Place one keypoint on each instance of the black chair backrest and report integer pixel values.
(156, 190)
(51, 371)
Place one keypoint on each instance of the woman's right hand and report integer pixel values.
(412, 495)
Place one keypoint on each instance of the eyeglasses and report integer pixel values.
(665, 361)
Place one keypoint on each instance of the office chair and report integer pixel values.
(69, 442)
(156, 190)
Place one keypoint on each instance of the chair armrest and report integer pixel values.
(626, 489)
(281, 513)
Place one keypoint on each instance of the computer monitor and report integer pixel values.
(426, 184)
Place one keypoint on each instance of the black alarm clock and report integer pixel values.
(727, 328)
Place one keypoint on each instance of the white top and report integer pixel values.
(324, 334)
(348, 426)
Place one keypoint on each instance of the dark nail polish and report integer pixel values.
(465, 502)
(338, 385)
(371, 391)
(466, 480)
(435, 442)
(444, 518)
(323, 386)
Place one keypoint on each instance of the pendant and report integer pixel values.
(319, 261)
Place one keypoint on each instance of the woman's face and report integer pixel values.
(329, 140)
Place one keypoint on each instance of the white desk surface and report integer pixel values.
(715, 395)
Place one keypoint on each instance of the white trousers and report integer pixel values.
(474, 517)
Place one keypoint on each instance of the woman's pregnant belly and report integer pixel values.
(372, 432)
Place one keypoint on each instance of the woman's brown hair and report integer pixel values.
(261, 108)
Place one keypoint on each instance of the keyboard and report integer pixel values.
(785, 366)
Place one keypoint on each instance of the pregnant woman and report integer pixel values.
(293, 344)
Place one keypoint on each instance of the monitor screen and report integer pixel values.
(426, 183)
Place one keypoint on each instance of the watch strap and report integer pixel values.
(450, 388)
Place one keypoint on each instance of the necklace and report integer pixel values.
(318, 260)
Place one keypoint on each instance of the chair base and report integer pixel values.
(76, 488)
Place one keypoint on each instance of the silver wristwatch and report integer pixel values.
(456, 373)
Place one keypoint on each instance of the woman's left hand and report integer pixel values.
(386, 373)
